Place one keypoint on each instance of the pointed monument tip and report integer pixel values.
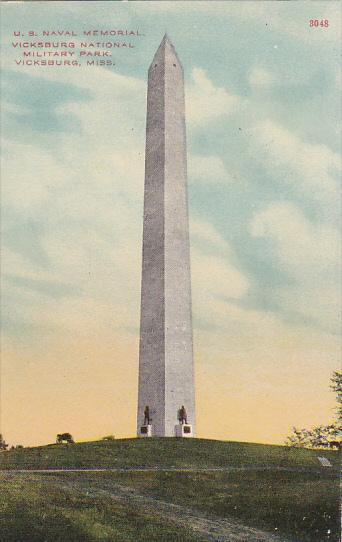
(166, 39)
(165, 48)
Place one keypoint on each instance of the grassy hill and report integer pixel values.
(162, 452)
(296, 498)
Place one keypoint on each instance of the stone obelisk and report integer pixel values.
(166, 380)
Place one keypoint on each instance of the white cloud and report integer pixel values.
(207, 169)
(12, 108)
(217, 277)
(104, 275)
(87, 199)
(302, 246)
(308, 167)
(205, 102)
(260, 78)
(202, 231)
(310, 254)
(14, 263)
(27, 182)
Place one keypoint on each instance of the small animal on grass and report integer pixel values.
(64, 438)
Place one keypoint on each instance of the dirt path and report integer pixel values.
(212, 528)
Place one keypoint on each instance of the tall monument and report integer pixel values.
(166, 381)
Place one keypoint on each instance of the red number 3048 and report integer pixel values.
(322, 22)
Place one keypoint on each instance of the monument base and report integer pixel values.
(183, 430)
(145, 431)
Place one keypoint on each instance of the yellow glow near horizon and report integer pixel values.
(89, 388)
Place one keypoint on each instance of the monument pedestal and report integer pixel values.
(183, 430)
(145, 431)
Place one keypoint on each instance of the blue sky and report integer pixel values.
(263, 121)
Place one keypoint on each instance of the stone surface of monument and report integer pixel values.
(166, 379)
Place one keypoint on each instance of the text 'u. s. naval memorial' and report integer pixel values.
(166, 403)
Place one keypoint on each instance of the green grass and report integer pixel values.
(302, 503)
(163, 452)
(303, 506)
(38, 510)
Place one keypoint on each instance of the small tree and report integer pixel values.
(3, 445)
(299, 438)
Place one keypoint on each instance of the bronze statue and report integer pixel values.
(182, 415)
